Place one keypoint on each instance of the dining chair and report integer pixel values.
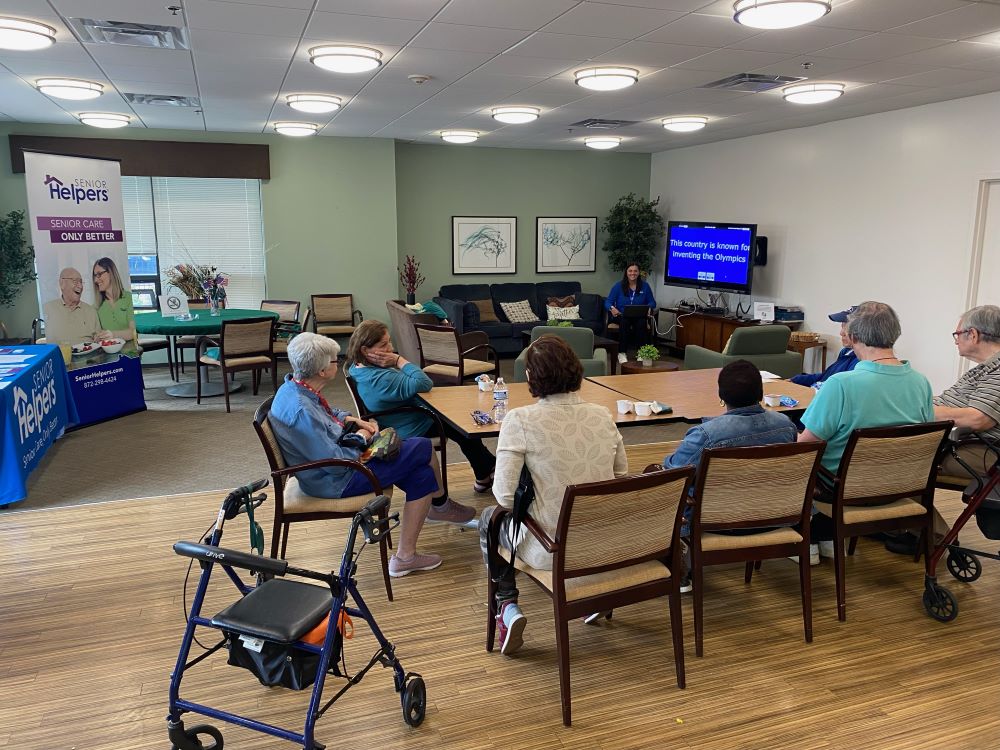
(287, 310)
(448, 357)
(753, 504)
(885, 482)
(334, 314)
(243, 345)
(155, 344)
(189, 342)
(617, 542)
(281, 342)
(439, 441)
(292, 505)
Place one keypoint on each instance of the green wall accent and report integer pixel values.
(434, 183)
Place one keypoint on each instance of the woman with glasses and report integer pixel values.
(114, 306)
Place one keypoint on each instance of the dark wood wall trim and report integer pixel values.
(155, 158)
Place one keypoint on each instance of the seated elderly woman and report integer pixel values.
(386, 380)
(309, 429)
(536, 436)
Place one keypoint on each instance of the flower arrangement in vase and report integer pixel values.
(647, 353)
(411, 278)
(200, 282)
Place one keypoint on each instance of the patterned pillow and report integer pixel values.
(563, 313)
(486, 312)
(567, 301)
(519, 312)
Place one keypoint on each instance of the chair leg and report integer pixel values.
(699, 590)
(805, 583)
(928, 546)
(170, 358)
(677, 631)
(491, 611)
(284, 538)
(274, 373)
(255, 378)
(921, 543)
(838, 561)
(225, 388)
(384, 555)
(853, 545)
(276, 535)
(197, 377)
(562, 646)
(748, 572)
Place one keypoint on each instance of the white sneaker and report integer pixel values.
(826, 549)
(813, 555)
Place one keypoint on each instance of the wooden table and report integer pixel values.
(804, 346)
(455, 405)
(638, 368)
(600, 342)
(693, 394)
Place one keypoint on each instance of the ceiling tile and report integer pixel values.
(151, 74)
(818, 67)
(444, 66)
(652, 55)
(878, 15)
(954, 55)
(714, 31)
(882, 71)
(941, 77)
(136, 11)
(507, 64)
(152, 87)
(115, 55)
(799, 40)
(227, 42)
(300, 4)
(622, 21)
(172, 117)
(510, 14)
(733, 61)
(881, 46)
(449, 36)
(342, 27)
(972, 20)
(31, 68)
(244, 19)
(415, 10)
(564, 46)
(684, 6)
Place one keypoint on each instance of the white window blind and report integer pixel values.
(213, 222)
(140, 228)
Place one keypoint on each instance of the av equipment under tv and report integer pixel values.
(710, 255)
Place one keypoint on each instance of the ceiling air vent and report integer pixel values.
(94, 31)
(163, 100)
(598, 124)
(751, 82)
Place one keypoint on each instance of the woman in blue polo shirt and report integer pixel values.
(631, 290)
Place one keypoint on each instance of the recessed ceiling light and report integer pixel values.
(459, 136)
(685, 123)
(812, 93)
(104, 119)
(69, 88)
(606, 79)
(603, 142)
(779, 14)
(342, 58)
(16, 33)
(515, 115)
(296, 128)
(314, 103)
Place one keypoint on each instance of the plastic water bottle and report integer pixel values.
(499, 400)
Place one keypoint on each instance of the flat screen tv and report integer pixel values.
(710, 255)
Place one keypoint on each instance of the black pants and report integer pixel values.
(632, 332)
(483, 462)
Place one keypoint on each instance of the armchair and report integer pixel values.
(595, 361)
(765, 346)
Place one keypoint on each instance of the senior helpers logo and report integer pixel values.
(78, 191)
(32, 410)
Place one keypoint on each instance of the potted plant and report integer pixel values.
(634, 229)
(647, 353)
(17, 260)
(410, 277)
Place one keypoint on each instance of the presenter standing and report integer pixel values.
(631, 290)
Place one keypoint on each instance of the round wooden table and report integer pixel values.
(634, 367)
(203, 323)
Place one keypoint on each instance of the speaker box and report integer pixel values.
(760, 257)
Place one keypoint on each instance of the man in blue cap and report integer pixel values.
(845, 361)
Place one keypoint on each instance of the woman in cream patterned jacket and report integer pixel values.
(563, 441)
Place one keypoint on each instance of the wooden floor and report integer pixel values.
(91, 616)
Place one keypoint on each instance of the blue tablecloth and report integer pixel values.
(36, 407)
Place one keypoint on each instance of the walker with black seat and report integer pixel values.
(982, 499)
(276, 628)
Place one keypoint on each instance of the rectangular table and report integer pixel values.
(693, 394)
(36, 406)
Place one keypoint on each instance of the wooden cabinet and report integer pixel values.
(709, 331)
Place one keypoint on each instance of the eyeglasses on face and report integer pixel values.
(99, 274)
(956, 334)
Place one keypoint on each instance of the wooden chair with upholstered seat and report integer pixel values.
(450, 358)
(617, 543)
(885, 483)
(243, 345)
(281, 343)
(291, 505)
(766, 489)
(334, 314)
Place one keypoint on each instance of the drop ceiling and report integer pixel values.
(246, 57)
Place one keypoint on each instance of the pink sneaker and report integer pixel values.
(451, 512)
(510, 628)
(399, 568)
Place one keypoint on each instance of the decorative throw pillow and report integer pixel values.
(563, 313)
(567, 301)
(486, 312)
(519, 312)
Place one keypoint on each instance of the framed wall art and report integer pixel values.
(565, 244)
(484, 244)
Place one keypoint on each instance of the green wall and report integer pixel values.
(433, 183)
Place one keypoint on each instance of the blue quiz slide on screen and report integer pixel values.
(710, 254)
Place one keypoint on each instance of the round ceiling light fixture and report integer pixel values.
(779, 14)
(69, 88)
(603, 142)
(297, 129)
(19, 34)
(345, 58)
(317, 104)
(105, 119)
(516, 115)
(460, 136)
(606, 79)
(812, 93)
(685, 123)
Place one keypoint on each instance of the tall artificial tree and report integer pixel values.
(17, 259)
(634, 229)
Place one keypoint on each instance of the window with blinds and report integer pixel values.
(211, 222)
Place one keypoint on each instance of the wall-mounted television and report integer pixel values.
(710, 255)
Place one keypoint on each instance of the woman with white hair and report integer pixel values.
(309, 429)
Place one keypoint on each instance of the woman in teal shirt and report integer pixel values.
(114, 307)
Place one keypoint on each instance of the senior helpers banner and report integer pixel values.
(77, 228)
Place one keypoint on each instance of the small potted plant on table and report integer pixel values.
(646, 354)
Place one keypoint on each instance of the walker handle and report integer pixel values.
(231, 557)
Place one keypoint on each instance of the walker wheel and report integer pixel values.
(963, 566)
(196, 744)
(940, 603)
(414, 700)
